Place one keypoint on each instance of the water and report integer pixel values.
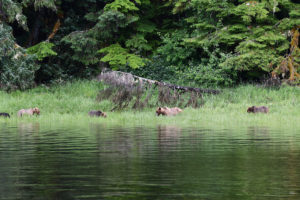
(162, 162)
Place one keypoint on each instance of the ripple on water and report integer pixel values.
(161, 162)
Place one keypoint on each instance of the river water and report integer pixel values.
(160, 162)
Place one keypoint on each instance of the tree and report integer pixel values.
(253, 30)
(17, 68)
(16, 65)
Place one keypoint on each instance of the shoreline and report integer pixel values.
(189, 118)
(71, 103)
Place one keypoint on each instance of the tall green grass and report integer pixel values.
(73, 98)
(70, 103)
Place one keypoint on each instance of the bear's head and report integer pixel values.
(36, 111)
(160, 111)
(103, 114)
(250, 109)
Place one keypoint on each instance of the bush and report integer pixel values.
(17, 68)
(209, 72)
(156, 69)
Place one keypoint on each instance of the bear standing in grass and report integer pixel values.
(5, 115)
(256, 109)
(168, 111)
(97, 113)
(29, 111)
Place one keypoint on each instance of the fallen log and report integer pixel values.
(127, 79)
(125, 88)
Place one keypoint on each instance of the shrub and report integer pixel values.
(17, 68)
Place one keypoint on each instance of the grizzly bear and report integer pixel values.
(256, 109)
(97, 113)
(5, 115)
(29, 111)
(168, 111)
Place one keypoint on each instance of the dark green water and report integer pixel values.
(162, 162)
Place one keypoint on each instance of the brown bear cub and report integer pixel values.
(168, 111)
(29, 111)
(256, 109)
(97, 113)
(5, 115)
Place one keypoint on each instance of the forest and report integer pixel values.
(203, 43)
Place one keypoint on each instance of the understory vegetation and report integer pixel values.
(72, 101)
(200, 43)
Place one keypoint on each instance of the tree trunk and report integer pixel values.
(34, 34)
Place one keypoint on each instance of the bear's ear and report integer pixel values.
(159, 108)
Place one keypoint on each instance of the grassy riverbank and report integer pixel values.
(70, 103)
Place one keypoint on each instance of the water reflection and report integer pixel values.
(168, 137)
(28, 128)
(258, 133)
(163, 162)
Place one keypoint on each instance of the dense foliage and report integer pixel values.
(16, 67)
(194, 42)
